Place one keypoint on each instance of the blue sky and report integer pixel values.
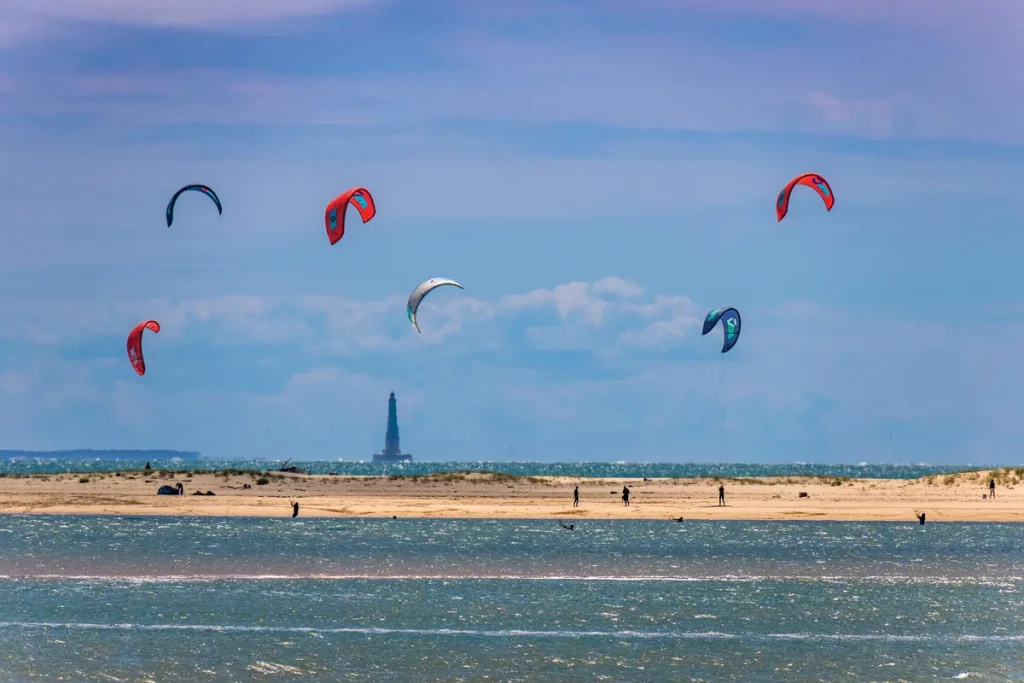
(597, 175)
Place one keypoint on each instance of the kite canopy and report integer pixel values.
(135, 344)
(730, 318)
(334, 215)
(421, 291)
(198, 188)
(811, 180)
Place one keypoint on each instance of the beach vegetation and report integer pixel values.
(262, 481)
(468, 475)
(83, 480)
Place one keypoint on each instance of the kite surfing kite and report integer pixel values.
(135, 344)
(811, 180)
(730, 318)
(334, 216)
(421, 291)
(198, 188)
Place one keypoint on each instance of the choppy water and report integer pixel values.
(190, 599)
(537, 469)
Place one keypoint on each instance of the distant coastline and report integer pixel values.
(89, 454)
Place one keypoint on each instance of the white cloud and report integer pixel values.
(658, 334)
(617, 286)
(567, 299)
(340, 325)
(802, 377)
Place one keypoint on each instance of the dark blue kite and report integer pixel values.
(730, 318)
(198, 188)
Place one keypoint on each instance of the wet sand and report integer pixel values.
(943, 497)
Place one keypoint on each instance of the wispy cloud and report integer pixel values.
(945, 16)
(598, 73)
(230, 15)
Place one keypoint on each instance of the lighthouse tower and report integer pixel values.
(392, 452)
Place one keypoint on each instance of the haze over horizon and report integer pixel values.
(596, 177)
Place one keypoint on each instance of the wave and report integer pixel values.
(509, 633)
(1000, 581)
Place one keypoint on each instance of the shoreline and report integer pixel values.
(945, 498)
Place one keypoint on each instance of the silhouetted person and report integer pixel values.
(295, 509)
(147, 468)
(576, 497)
(625, 495)
(721, 494)
(991, 488)
(181, 488)
(920, 518)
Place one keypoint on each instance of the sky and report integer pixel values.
(598, 175)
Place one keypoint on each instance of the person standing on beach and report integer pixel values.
(576, 497)
(992, 488)
(721, 494)
(625, 495)
(295, 509)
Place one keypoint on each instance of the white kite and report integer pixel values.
(417, 296)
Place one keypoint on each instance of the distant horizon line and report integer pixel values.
(154, 453)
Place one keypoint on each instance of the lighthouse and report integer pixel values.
(392, 451)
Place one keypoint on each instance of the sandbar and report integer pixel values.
(959, 497)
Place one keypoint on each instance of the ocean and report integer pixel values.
(535, 469)
(218, 599)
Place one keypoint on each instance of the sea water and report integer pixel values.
(606, 470)
(216, 599)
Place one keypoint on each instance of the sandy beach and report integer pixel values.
(954, 497)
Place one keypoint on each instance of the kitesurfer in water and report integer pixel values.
(570, 527)
(920, 518)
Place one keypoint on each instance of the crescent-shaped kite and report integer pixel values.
(730, 318)
(811, 180)
(135, 344)
(421, 291)
(198, 188)
(334, 215)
